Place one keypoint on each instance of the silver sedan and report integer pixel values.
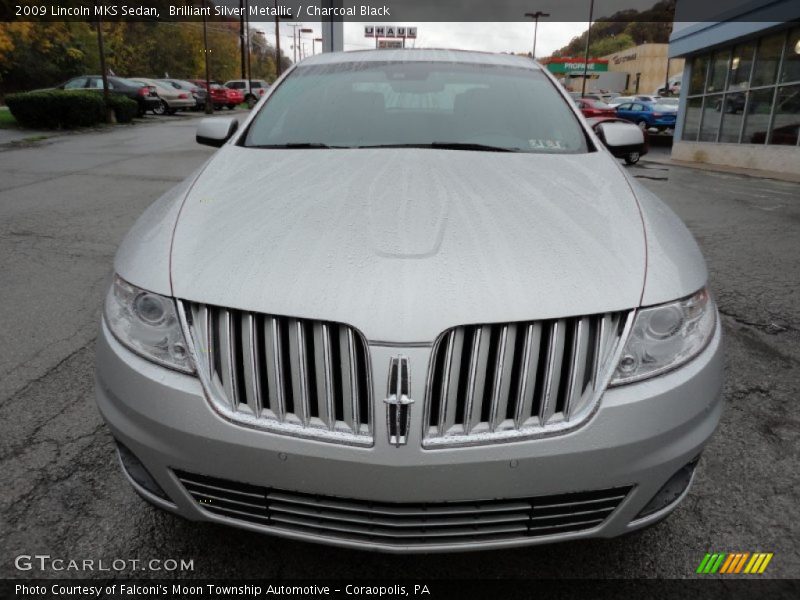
(412, 304)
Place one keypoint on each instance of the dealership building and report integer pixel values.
(645, 68)
(740, 93)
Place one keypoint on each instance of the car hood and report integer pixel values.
(405, 243)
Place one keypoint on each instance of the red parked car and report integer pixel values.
(594, 108)
(220, 95)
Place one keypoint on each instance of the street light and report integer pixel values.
(536, 16)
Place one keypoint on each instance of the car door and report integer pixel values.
(96, 83)
(625, 111)
(644, 112)
(635, 112)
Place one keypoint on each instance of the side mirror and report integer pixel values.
(216, 131)
(619, 135)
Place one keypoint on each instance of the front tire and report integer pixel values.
(160, 109)
(631, 158)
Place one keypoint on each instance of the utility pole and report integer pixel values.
(300, 42)
(247, 33)
(586, 54)
(295, 40)
(294, 27)
(241, 36)
(209, 100)
(278, 66)
(104, 74)
(536, 15)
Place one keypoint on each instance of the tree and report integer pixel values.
(609, 45)
(630, 27)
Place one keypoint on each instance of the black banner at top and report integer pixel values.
(393, 11)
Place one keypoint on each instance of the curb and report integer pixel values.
(752, 173)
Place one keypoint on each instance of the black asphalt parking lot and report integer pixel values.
(65, 204)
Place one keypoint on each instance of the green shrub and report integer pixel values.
(52, 109)
(125, 109)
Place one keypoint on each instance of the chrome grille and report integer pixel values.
(403, 523)
(293, 376)
(513, 380)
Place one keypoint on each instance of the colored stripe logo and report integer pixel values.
(732, 563)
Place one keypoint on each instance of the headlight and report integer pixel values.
(666, 336)
(147, 324)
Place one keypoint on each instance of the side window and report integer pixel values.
(74, 84)
(625, 106)
(97, 84)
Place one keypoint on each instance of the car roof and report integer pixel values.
(422, 55)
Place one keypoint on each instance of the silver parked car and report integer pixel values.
(412, 304)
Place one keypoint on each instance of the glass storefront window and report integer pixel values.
(712, 115)
(734, 107)
(691, 124)
(791, 60)
(699, 70)
(746, 93)
(741, 64)
(767, 59)
(719, 69)
(787, 116)
(757, 118)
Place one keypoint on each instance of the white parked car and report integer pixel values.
(252, 90)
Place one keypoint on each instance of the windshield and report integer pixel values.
(420, 104)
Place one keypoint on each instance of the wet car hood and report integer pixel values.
(405, 243)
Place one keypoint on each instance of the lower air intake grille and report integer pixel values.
(508, 381)
(293, 376)
(403, 524)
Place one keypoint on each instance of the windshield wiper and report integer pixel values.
(297, 146)
(449, 146)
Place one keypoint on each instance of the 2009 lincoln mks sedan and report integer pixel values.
(412, 304)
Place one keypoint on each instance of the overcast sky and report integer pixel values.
(492, 37)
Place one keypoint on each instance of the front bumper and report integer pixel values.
(640, 436)
(182, 103)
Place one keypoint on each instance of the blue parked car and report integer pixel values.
(648, 114)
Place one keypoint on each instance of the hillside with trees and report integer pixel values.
(624, 29)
